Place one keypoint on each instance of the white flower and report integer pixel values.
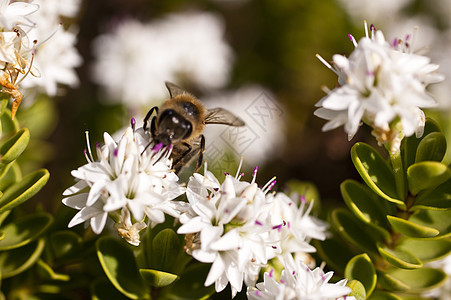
(380, 83)
(56, 56)
(16, 14)
(136, 58)
(127, 230)
(131, 174)
(295, 226)
(299, 282)
(227, 226)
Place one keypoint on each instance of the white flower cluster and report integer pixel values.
(24, 29)
(298, 281)
(56, 56)
(380, 83)
(238, 227)
(135, 58)
(130, 178)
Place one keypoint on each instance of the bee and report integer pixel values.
(180, 122)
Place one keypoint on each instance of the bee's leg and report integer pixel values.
(178, 163)
(200, 157)
(149, 114)
(153, 127)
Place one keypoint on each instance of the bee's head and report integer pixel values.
(172, 127)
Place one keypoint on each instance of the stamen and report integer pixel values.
(133, 123)
(269, 185)
(88, 146)
(157, 147)
(365, 25)
(302, 199)
(239, 167)
(258, 223)
(254, 174)
(271, 273)
(352, 39)
(326, 64)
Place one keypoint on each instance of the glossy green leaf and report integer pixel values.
(375, 172)
(158, 278)
(24, 230)
(23, 190)
(362, 269)
(104, 290)
(427, 174)
(438, 219)
(119, 265)
(334, 252)
(365, 205)
(379, 295)
(353, 230)
(358, 290)
(438, 198)
(431, 148)
(411, 229)
(420, 279)
(191, 284)
(390, 283)
(400, 258)
(15, 261)
(9, 126)
(47, 272)
(14, 146)
(427, 250)
(9, 175)
(165, 248)
(409, 145)
(64, 243)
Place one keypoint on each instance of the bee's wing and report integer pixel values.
(222, 116)
(174, 90)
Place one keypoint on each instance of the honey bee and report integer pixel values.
(180, 122)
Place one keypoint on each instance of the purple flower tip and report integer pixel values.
(323, 278)
(282, 281)
(273, 183)
(350, 37)
(258, 223)
(85, 151)
(294, 272)
(115, 151)
(278, 227)
(255, 171)
(271, 273)
(97, 145)
(157, 147)
(303, 199)
(241, 174)
(258, 293)
(226, 173)
(372, 27)
(133, 122)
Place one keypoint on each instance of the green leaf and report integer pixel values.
(13, 147)
(400, 258)
(362, 269)
(9, 175)
(353, 230)
(8, 126)
(334, 252)
(23, 190)
(119, 265)
(427, 174)
(15, 261)
(104, 290)
(410, 144)
(438, 198)
(165, 248)
(365, 205)
(431, 148)
(191, 284)
(375, 172)
(24, 230)
(419, 280)
(379, 295)
(358, 290)
(46, 271)
(64, 243)
(390, 283)
(411, 229)
(40, 117)
(427, 250)
(438, 219)
(158, 278)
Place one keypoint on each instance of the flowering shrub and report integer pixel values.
(151, 232)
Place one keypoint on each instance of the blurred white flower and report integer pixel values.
(56, 56)
(384, 82)
(135, 59)
(383, 10)
(299, 282)
(130, 174)
(264, 118)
